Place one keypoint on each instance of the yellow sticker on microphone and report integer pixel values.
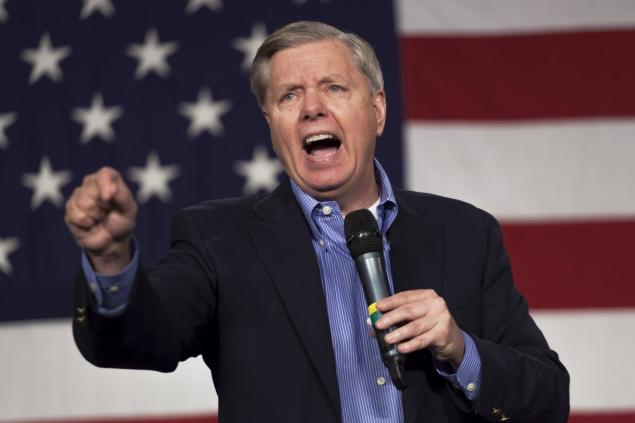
(373, 313)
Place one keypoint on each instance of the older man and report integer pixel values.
(265, 289)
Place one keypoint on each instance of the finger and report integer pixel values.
(86, 199)
(418, 343)
(405, 313)
(114, 190)
(404, 297)
(76, 217)
(410, 330)
(107, 180)
(124, 200)
(73, 213)
(88, 187)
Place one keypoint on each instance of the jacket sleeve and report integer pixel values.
(522, 379)
(170, 307)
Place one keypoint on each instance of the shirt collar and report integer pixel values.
(385, 210)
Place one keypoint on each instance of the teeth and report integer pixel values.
(318, 137)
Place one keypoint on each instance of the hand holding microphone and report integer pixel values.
(407, 321)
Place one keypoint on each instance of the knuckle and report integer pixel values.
(421, 341)
(111, 173)
(83, 201)
(81, 220)
(88, 179)
(73, 197)
(85, 220)
(67, 206)
(410, 311)
(439, 302)
(418, 327)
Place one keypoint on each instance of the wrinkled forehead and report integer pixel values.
(316, 60)
(322, 54)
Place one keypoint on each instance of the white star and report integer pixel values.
(194, 6)
(7, 246)
(105, 7)
(261, 172)
(205, 114)
(45, 59)
(153, 179)
(152, 55)
(6, 119)
(46, 184)
(249, 46)
(97, 119)
(4, 16)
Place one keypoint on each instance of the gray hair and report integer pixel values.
(302, 32)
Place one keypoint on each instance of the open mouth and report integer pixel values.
(321, 145)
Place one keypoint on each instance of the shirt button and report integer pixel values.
(381, 381)
(113, 289)
(321, 242)
(327, 210)
(93, 286)
(471, 387)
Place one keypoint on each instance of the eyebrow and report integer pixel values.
(324, 80)
(331, 78)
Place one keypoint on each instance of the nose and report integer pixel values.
(313, 107)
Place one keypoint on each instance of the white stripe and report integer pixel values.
(594, 345)
(511, 16)
(563, 169)
(44, 376)
(597, 347)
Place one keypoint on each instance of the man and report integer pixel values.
(265, 289)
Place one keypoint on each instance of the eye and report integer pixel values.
(334, 88)
(288, 96)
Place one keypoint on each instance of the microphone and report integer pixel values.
(365, 245)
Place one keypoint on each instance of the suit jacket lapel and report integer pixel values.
(417, 245)
(283, 240)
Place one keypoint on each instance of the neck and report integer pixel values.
(362, 200)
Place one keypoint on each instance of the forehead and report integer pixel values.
(311, 59)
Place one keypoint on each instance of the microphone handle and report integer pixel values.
(372, 272)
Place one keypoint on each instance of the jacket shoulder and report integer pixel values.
(443, 209)
(222, 214)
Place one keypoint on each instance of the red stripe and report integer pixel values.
(574, 265)
(141, 419)
(619, 417)
(519, 77)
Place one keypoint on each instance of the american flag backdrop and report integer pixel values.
(524, 108)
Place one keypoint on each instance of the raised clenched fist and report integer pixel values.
(101, 215)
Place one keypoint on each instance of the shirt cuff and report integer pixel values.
(468, 376)
(111, 291)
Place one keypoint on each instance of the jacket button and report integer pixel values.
(496, 412)
(81, 314)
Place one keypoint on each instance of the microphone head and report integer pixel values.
(362, 233)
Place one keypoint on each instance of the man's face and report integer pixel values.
(324, 121)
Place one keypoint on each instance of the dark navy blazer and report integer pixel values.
(241, 286)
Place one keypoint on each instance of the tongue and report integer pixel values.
(323, 151)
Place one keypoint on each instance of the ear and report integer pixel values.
(379, 105)
(266, 115)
